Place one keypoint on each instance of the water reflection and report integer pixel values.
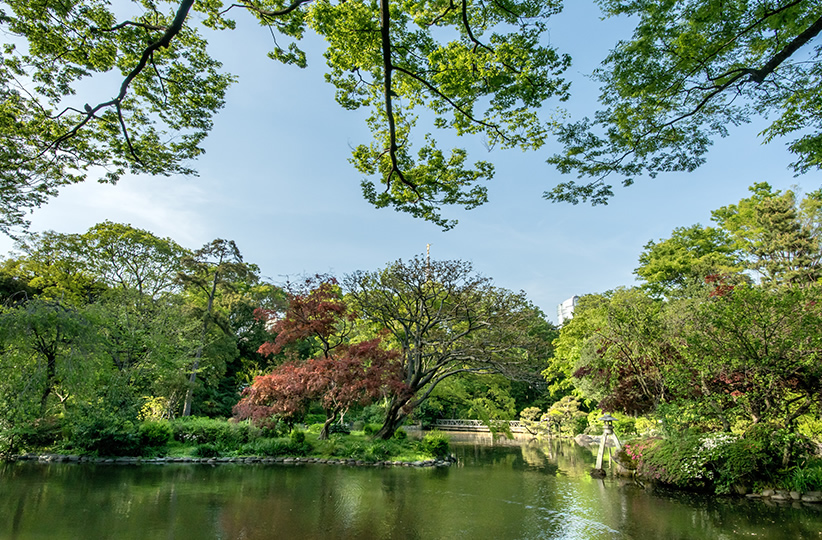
(499, 489)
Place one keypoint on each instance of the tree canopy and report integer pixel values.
(479, 67)
(771, 235)
(692, 69)
(447, 320)
(102, 90)
(728, 335)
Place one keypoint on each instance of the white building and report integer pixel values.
(565, 310)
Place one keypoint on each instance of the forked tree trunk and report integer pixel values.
(394, 417)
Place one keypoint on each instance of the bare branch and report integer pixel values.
(745, 30)
(758, 76)
(442, 15)
(131, 148)
(388, 68)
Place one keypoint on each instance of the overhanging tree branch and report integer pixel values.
(163, 42)
(388, 68)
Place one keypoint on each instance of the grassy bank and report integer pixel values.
(207, 438)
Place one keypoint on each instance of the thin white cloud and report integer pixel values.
(165, 206)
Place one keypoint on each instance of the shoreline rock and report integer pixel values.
(47, 459)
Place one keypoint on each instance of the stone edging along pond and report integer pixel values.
(781, 495)
(280, 460)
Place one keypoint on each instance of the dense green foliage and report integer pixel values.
(436, 443)
(100, 334)
(476, 68)
(726, 462)
(131, 88)
(692, 69)
(721, 343)
(107, 335)
(446, 320)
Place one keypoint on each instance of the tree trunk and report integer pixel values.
(330, 416)
(394, 417)
(51, 378)
(190, 390)
(193, 377)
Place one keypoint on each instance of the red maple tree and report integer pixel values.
(316, 310)
(339, 376)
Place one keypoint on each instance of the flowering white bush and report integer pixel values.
(710, 450)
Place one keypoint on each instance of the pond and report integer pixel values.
(496, 491)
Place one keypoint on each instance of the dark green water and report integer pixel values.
(496, 492)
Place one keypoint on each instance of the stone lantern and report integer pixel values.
(607, 431)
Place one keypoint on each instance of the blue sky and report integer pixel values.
(276, 179)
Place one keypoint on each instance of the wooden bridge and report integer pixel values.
(478, 425)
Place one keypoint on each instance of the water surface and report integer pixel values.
(502, 491)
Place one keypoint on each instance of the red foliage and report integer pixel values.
(341, 376)
(359, 373)
(721, 288)
(282, 392)
(315, 311)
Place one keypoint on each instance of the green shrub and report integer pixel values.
(329, 448)
(436, 443)
(273, 428)
(206, 450)
(105, 437)
(360, 448)
(807, 477)
(594, 423)
(314, 419)
(276, 447)
(315, 428)
(200, 430)
(41, 433)
(670, 461)
(810, 426)
(371, 429)
(625, 425)
(355, 450)
(594, 429)
(646, 426)
(340, 429)
(297, 437)
(155, 433)
(372, 414)
(717, 461)
(378, 451)
(400, 435)
(580, 424)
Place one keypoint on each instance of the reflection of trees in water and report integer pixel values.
(536, 455)
(569, 457)
(519, 496)
(477, 449)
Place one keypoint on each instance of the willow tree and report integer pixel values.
(476, 67)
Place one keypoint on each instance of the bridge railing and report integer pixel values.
(455, 424)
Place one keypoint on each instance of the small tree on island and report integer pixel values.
(447, 320)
